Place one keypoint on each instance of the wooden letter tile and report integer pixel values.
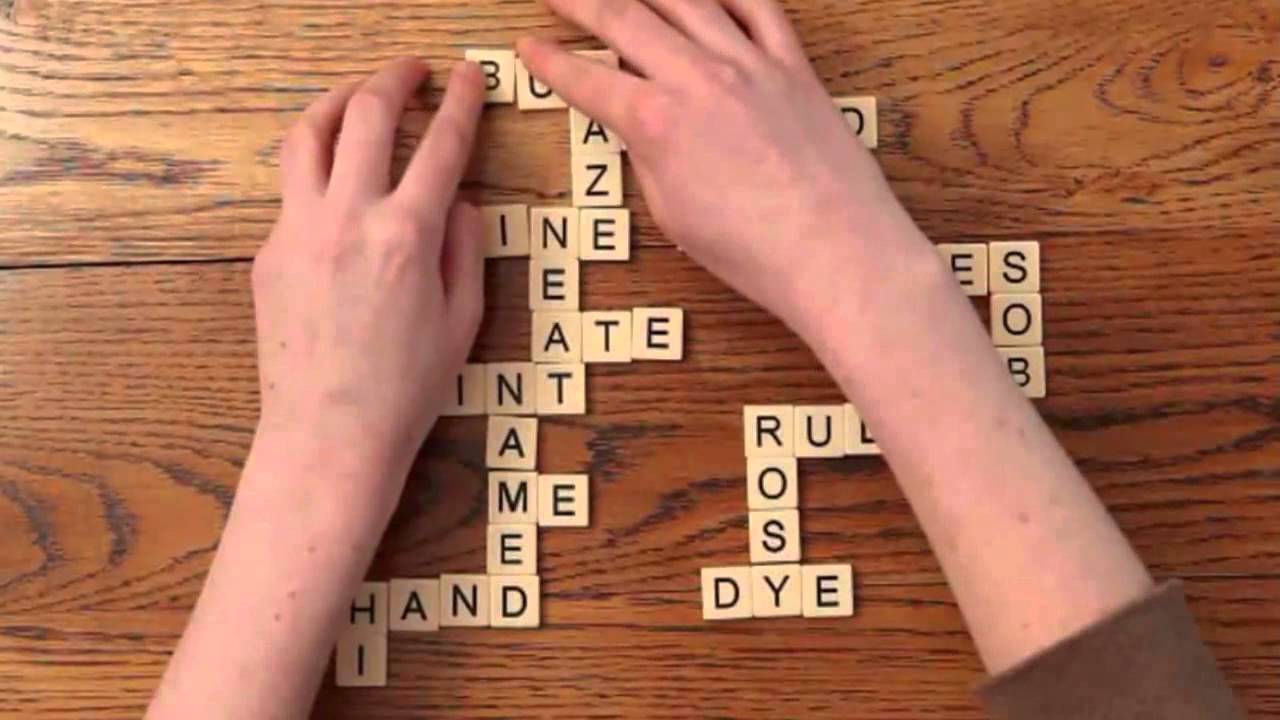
(553, 284)
(726, 593)
(860, 112)
(769, 430)
(415, 605)
(516, 601)
(827, 590)
(562, 389)
(512, 443)
(510, 389)
(657, 334)
(606, 337)
(597, 180)
(1017, 320)
(499, 67)
(564, 501)
(1015, 267)
(775, 536)
(776, 591)
(464, 601)
(468, 396)
(533, 95)
(604, 234)
(360, 660)
(513, 550)
(588, 137)
(1027, 368)
(968, 262)
(819, 431)
(506, 230)
(554, 233)
(368, 611)
(556, 337)
(513, 497)
(857, 437)
(773, 483)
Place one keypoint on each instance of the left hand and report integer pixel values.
(368, 295)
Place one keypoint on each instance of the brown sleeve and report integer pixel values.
(1146, 661)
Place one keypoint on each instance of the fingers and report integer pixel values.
(362, 164)
(707, 24)
(769, 28)
(646, 41)
(441, 158)
(307, 154)
(462, 268)
(606, 94)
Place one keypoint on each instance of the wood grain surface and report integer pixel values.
(1138, 140)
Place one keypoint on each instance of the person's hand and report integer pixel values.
(368, 296)
(740, 152)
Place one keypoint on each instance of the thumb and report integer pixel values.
(462, 267)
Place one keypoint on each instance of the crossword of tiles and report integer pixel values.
(775, 584)
(565, 339)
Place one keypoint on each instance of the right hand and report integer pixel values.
(739, 150)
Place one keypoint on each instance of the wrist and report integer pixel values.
(860, 278)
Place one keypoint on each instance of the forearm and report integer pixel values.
(1029, 550)
(300, 536)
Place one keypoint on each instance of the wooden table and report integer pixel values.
(1138, 140)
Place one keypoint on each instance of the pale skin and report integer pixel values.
(719, 95)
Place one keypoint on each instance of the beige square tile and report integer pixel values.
(564, 500)
(1027, 369)
(506, 230)
(533, 95)
(860, 112)
(827, 590)
(604, 234)
(562, 389)
(606, 337)
(1015, 266)
(511, 443)
(769, 430)
(516, 601)
(657, 334)
(776, 591)
(513, 497)
(368, 611)
(589, 137)
(819, 431)
(775, 536)
(556, 337)
(553, 233)
(726, 593)
(510, 389)
(597, 180)
(773, 483)
(968, 262)
(858, 437)
(554, 284)
(1017, 320)
(468, 396)
(415, 605)
(513, 550)
(499, 68)
(360, 660)
(464, 601)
